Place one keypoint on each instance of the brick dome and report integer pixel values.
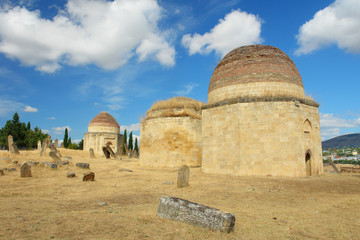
(255, 71)
(104, 122)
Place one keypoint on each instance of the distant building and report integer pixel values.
(103, 130)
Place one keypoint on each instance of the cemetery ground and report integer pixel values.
(123, 205)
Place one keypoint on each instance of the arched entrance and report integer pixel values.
(308, 163)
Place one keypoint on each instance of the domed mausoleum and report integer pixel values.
(258, 120)
(103, 130)
(171, 133)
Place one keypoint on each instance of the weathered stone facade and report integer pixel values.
(170, 142)
(261, 138)
(103, 130)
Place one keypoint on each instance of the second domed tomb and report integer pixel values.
(171, 133)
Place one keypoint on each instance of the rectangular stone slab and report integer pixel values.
(195, 214)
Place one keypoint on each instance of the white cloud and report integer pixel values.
(132, 128)
(60, 130)
(104, 33)
(188, 88)
(30, 109)
(45, 131)
(339, 23)
(236, 29)
(51, 118)
(332, 126)
(8, 106)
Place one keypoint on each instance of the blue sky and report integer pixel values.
(62, 62)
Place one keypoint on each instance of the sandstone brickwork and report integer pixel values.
(261, 138)
(170, 142)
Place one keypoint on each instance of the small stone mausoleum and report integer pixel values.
(103, 130)
(258, 121)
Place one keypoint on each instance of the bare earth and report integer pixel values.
(123, 205)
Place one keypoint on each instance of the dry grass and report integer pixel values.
(176, 107)
(49, 205)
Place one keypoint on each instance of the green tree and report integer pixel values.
(124, 141)
(81, 144)
(136, 148)
(66, 138)
(130, 144)
(69, 141)
(23, 135)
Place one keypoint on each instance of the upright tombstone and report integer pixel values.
(10, 141)
(183, 176)
(62, 145)
(92, 154)
(25, 170)
(14, 149)
(54, 156)
(39, 146)
(45, 145)
(56, 143)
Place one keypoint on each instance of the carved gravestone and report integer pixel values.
(56, 143)
(92, 154)
(195, 214)
(25, 170)
(70, 175)
(83, 165)
(1, 172)
(14, 149)
(45, 145)
(89, 176)
(10, 141)
(108, 152)
(54, 156)
(136, 154)
(183, 176)
(39, 145)
(54, 149)
(62, 145)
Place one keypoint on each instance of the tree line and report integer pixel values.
(23, 135)
(130, 143)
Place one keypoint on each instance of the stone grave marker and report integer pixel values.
(83, 165)
(39, 145)
(14, 149)
(25, 170)
(45, 145)
(70, 175)
(10, 141)
(195, 214)
(92, 154)
(183, 176)
(89, 176)
(56, 143)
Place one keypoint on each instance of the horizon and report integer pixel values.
(62, 64)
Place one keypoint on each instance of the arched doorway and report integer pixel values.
(308, 163)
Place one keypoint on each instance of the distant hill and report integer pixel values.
(342, 141)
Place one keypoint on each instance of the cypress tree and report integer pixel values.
(28, 126)
(130, 145)
(136, 148)
(124, 142)
(66, 139)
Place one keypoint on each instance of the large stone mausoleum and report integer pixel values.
(258, 120)
(103, 130)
